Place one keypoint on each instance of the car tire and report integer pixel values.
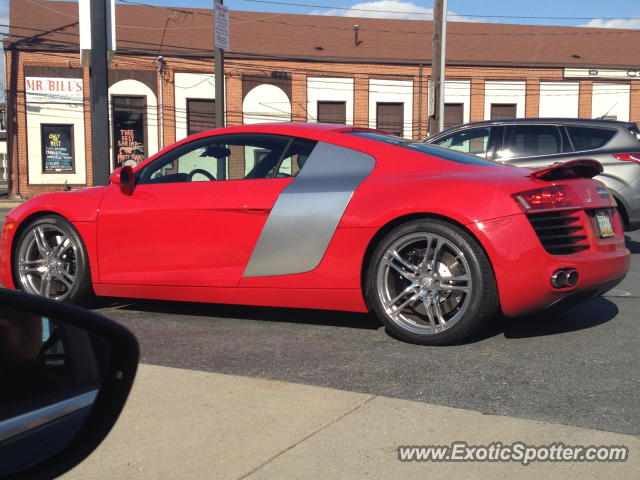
(431, 283)
(50, 259)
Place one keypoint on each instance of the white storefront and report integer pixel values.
(55, 131)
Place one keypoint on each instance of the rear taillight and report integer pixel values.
(628, 157)
(553, 197)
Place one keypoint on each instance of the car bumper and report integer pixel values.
(6, 238)
(523, 268)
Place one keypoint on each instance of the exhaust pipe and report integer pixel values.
(559, 279)
(566, 277)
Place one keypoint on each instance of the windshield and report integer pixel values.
(421, 147)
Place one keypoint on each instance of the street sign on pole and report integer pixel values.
(431, 98)
(222, 26)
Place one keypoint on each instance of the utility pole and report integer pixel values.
(99, 93)
(219, 65)
(436, 118)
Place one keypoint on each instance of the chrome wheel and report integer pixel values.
(423, 283)
(47, 261)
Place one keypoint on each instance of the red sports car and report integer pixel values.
(436, 242)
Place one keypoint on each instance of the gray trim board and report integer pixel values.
(307, 212)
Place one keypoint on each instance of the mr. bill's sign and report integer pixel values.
(53, 90)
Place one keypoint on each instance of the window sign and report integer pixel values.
(128, 130)
(130, 149)
(57, 148)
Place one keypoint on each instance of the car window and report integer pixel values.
(37, 363)
(429, 149)
(220, 157)
(472, 140)
(295, 157)
(530, 140)
(589, 138)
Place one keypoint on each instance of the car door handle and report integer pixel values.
(255, 209)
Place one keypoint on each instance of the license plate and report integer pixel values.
(605, 229)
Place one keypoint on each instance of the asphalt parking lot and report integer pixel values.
(579, 368)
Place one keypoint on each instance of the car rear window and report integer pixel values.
(421, 147)
(589, 138)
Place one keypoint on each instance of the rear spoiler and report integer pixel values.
(580, 168)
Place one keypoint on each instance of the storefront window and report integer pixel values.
(57, 148)
(129, 122)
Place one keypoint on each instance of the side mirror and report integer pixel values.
(124, 178)
(65, 374)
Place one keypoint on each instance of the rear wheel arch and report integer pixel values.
(432, 284)
(382, 231)
(622, 210)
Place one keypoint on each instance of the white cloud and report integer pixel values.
(633, 23)
(391, 9)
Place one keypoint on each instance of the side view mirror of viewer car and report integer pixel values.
(124, 178)
(65, 374)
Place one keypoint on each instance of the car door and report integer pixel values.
(195, 213)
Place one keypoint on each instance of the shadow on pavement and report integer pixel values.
(632, 245)
(588, 315)
(270, 314)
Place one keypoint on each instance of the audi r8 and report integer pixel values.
(436, 242)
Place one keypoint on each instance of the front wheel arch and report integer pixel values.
(87, 290)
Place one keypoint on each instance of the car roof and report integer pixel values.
(284, 128)
(559, 120)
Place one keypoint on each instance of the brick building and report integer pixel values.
(364, 72)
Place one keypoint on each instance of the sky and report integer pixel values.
(596, 13)
(591, 13)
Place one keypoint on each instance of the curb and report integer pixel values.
(10, 203)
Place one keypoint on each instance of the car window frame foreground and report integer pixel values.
(115, 387)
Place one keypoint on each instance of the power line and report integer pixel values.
(475, 15)
(65, 46)
(334, 27)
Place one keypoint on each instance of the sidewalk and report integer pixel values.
(185, 424)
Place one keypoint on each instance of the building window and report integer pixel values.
(453, 114)
(332, 112)
(503, 110)
(3, 120)
(129, 125)
(57, 148)
(4, 171)
(201, 115)
(390, 117)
